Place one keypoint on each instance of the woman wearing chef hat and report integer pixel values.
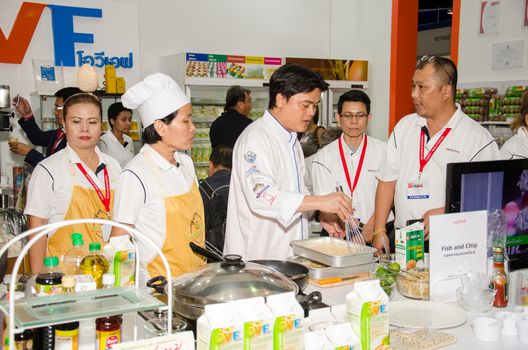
(157, 191)
(75, 183)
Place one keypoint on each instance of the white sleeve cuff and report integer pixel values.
(290, 203)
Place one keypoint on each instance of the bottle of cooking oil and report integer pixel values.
(95, 264)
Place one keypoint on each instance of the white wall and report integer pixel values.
(475, 51)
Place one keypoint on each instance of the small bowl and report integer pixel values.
(413, 283)
(388, 284)
(480, 305)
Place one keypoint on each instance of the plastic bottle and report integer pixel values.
(108, 280)
(95, 264)
(67, 334)
(48, 282)
(108, 331)
(74, 257)
(499, 279)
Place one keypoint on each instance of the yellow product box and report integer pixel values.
(115, 85)
(110, 71)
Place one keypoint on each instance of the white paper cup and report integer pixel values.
(509, 324)
(501, 315)
(522, 330)
(486, 329)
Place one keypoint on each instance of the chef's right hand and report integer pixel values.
(22, 106)
(337, 203)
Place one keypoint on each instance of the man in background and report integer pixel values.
(227, 127)
(54, 140)
(215, 191)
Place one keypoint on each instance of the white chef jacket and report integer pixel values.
(328, 173)
(138, 200)
(109, 144)
(266, 190)
(467, 141)
(517, 146)
(51, 184)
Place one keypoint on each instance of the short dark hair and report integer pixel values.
(115, 109)
(150, 135)
(445, 69)
(222, 156)
(292, 79)
(353, 96)
(235, 94)
(67, 92)
(83, 97)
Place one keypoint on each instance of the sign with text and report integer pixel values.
(457, 245)
(176, 341)
(332, 69)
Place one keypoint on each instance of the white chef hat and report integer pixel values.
(155, 97)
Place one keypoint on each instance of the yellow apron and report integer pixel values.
(184, 222)
(84, 204)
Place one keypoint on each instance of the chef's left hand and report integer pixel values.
(427, 215)
(332, 225)
(20, 148)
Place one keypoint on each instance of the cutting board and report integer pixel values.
(340, 281)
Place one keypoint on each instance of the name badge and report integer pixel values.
(357, 211)
(418, 189)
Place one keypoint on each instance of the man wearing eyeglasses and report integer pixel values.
(352, 161)
(53, 140)
(413, 171)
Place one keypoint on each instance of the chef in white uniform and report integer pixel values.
(517, 146)
(116, 142)
(268, 202)
(351, 162)
(158, 190)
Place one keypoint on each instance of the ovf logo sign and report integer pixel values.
(13, 47)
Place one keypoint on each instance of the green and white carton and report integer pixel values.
(410, 246)
(220, 328)
(368, 311)
(257, 319)
(288, 321)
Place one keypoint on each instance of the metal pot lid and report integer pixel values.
(229, 280)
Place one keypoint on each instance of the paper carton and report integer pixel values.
(368, 311)
(258, 323)
(288, 321)
(220, 328)
(317, 340)
(410, 246)
(342, 336)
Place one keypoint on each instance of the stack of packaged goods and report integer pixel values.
(511, 106)
(476, 102)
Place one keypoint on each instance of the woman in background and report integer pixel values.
(116, 142)
(517, 146)
(74, 183)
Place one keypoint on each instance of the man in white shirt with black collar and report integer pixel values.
(351, 162)
(413, 172)
(268, 201)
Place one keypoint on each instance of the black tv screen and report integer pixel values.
(501, 184)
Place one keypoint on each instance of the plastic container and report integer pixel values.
(67, 336)
(522, 330)
(486, 329)
(108, 280)
(108, 331)
(476, 304)
(95, 264)
(413, 283)
(74, 257)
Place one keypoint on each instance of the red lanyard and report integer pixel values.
(424, 161)
(58, 138)
(360, 165)
(104, 199)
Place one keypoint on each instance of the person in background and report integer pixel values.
(413, 170)
(268, 203)
(117, 143)
(215, 191)
(75, 183)
(158, 190)
(226, 129)
(53, 140)
(352, 161)
(517, 146)
(328, 136)
(310, 140)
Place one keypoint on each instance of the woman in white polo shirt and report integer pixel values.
(517, 146)
(158, 191)
(76, 182)
(116, 142)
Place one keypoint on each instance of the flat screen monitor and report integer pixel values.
(501, 184)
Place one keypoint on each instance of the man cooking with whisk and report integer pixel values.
(350, 163)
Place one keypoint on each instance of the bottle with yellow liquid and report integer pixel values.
(95, 264)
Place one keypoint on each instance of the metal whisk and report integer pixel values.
(352, 231)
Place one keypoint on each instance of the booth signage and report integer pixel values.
(14, 46)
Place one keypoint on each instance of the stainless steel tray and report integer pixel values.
(333, 252)
(318, 271)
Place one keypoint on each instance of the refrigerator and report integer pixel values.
(206, 79)
(335, 90)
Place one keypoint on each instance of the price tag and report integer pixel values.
(176, 341)
(457, 245)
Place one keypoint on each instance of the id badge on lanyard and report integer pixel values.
(418, 189)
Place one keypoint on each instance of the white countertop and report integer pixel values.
(464, 333)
